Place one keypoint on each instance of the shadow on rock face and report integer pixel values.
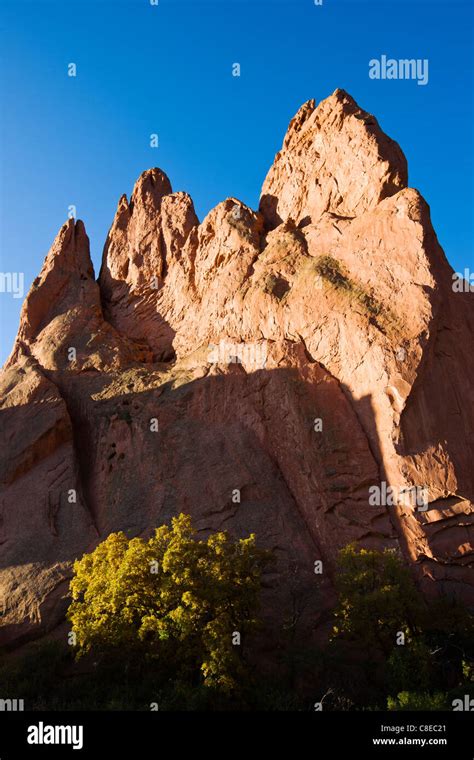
(237, 451)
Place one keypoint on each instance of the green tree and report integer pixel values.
(377, 599)
(186, 603)
(377, 602)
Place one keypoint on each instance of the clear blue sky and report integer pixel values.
(166, 69)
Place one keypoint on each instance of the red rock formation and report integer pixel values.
(354, 370)
(335, 159)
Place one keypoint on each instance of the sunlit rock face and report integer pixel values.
(303, 372)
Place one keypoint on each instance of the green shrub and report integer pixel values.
(183, 602)
(377, 599)
(407, 700)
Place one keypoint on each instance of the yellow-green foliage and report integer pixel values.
(406, 700)
(376, 598)
(174, 598)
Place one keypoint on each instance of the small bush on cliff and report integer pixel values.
(333, 272)
(184, 603)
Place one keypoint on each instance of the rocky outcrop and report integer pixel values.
(147, 240)
(335, 160)
(278, 371)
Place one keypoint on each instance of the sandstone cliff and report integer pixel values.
(260, 370)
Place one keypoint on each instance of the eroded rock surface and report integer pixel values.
(260, 370)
